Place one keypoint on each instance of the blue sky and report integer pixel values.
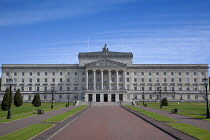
(54, 32)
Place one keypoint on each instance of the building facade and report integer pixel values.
(107, 76)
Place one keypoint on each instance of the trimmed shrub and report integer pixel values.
(164, 102)
(18, 99)
(5, 101)
(36, 101)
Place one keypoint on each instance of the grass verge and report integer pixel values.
(27, 132)
(151, 114)
(63, 116)
(196, 132)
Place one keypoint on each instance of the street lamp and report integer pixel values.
(160, 98)
(52, 98)
(207, 106)
(68, 97)
(143, 98)
(10, 99)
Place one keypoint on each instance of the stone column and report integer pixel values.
(102, 80)
(110, 80)
(109, 97)
(117, 97)
(117, 79)
(124, 80)
(101, 97)
(86, 79)
(94, 79)
(94, 98)
(86, 97)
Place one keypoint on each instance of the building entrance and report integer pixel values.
(113, 97)
(90, 97)
(105, 97)
(97, 97)
(121, 97)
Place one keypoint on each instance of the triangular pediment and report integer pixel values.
(106, 62)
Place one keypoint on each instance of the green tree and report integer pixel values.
(36, 101)
(164, 102)
(18, 99)
(5, 101)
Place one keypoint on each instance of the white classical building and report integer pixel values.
(107, 76)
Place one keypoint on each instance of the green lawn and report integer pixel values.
(27, 132)
(27, 110)
(63, 116)
(151, 114)
(196, 132)
(195, 110)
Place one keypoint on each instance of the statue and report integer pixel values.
(104, 48)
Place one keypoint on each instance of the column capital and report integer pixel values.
(109, 70)
(86, 70)
(94, 70)
(102, 70)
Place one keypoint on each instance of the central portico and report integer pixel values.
(105, 75)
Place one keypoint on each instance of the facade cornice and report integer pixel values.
(105, 63)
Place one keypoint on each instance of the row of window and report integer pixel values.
(165, 73)
(172, 97)
(165, 80)
(48, 88)
(45, 73)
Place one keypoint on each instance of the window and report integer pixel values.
(180, 88)
(61, 88)
(45, 97)
(196, 97)
(187, 73)
(195, 80)
(120, 73)
(83, 88)
(7, 73)
(30, 80)
(91, 80)
(142, 80)
(157, 80)
(142, 88)
(53, 73)
(37, 80)
(150, 79)
(150, 88)
(22, 88)
(143, 97)
(15, 73)
(53, 80)
(60, 97)
(75, 73)
(150, 73)
(83, 79)
(165, 80)
(188, 88)
(180, 73)
(135, 88)
(22, 80)
(68, 73)
(45, 80)
(157, 73)
(165, 88)
(150, 96)
(120, 79)
(75, 80)
(187, 80)
(172, 88)
(188, 96)
(142, 73)
(23, 73)
(134, 73)
(127, 87)
(202, 73)
(112, 73)
(83, 73)
(112, 79)
(45, 73)
(127, 73)
(30, 88)
(30, 73)
(173, 97)
(37, 88)
(92, 73)
(61, 73)
(172, 79)
(195, 88)
(45, 88)
(195, 73)
(135, 79)
(15, 81)
(75, 88)
(127, 79)
(180, 80)
(172, 73)
(7, 80)
(68, 79)
(164, 73)
(38, 73)
(68, 88)
(61, 80)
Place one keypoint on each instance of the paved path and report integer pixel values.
(6, 128)
(180, 118)
(110, 123)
